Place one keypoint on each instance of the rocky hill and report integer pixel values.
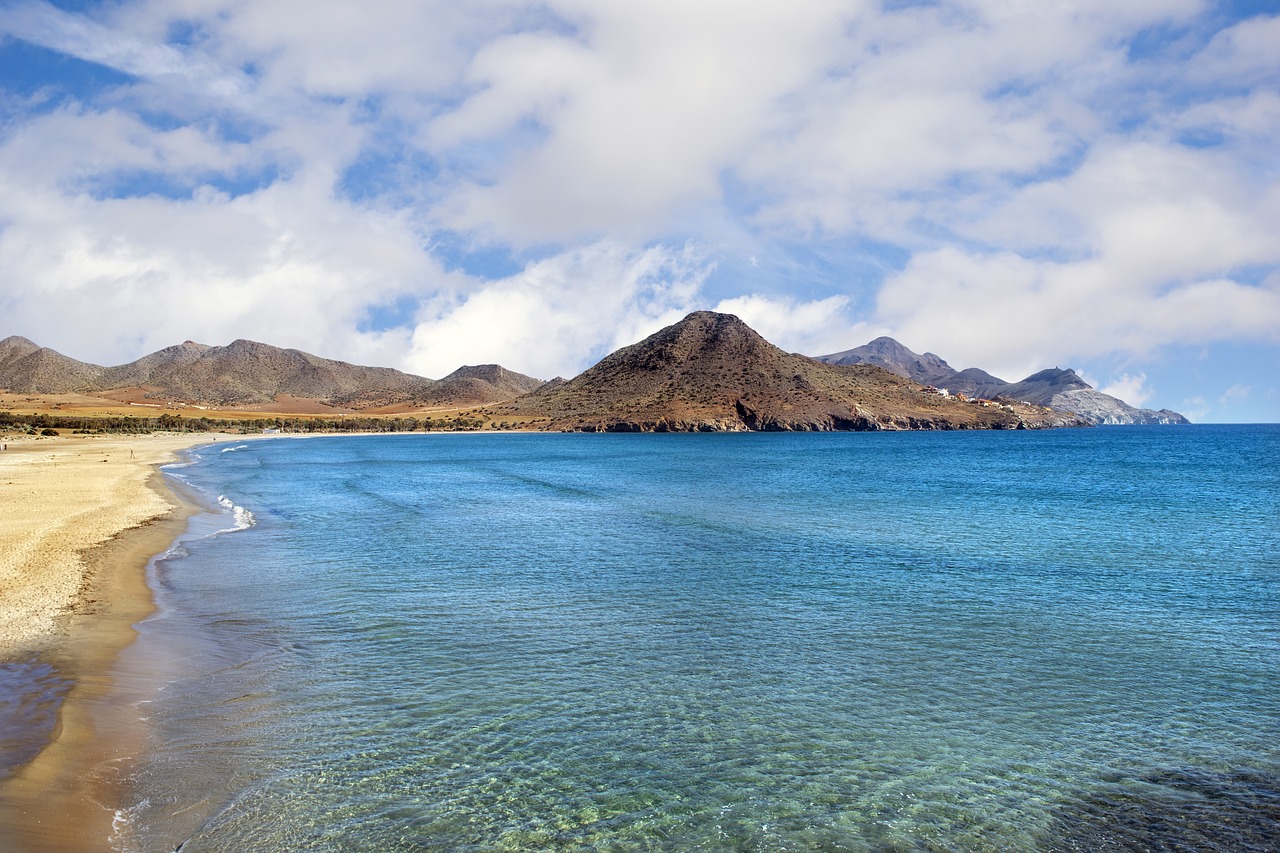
(707, 372)
(712, 372)
(894, 357)
(1043, 386)
(246, 373)
(1061, 390)
(33, 369)
(150, 369)
(482, 383)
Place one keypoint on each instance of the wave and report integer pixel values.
(243, 518)
(232, 449)
(122, 821)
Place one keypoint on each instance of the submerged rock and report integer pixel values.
(1174, 810)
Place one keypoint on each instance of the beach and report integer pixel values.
(82, 516)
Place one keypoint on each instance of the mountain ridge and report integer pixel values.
(708, 371)
(245, 373)
(712, 372)
(1057, 388)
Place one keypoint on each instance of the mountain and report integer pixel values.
(1062, 390)
(894, 357)
(28, 368)
(15, 347)
(1043, 386)
(707, 372)
(711, 372)
(148, 369)
(247, 373)
(973, 383)
(482, 383)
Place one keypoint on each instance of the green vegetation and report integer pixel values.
(45, 424)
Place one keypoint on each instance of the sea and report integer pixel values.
(1064, 640)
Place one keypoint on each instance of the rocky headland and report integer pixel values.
(712, 372)
(1060, 389)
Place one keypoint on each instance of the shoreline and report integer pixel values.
(98, 512)
(84, 518)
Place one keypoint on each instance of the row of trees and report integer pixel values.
(167, 422)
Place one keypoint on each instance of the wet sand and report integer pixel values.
(80, 518)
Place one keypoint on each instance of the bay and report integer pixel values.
(1060, 640)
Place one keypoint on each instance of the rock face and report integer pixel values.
(712, 372)
(1065, 391)
(1062, 390)
(1099, 408)
(246, 373)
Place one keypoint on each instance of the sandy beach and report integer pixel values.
(81, 518)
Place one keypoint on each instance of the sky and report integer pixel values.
(1010, 184)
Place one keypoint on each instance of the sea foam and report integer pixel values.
(243, 519)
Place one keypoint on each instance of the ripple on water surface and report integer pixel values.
(965, 642)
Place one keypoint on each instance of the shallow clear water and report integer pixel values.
(958, 641)
(31, 692)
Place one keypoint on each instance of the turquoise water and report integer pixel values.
(1062, 640)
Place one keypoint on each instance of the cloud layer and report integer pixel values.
(426, 183)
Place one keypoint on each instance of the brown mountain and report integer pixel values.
(712, 372)
(247, 373)
(29, 368)
(15, 347)
(150, 369)
(480, 384)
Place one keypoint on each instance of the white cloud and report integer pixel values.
(815, 327)
(638, 111)
(1132, 388)
(1147, 210)
(1236, 393)
(1011, 315)
(343, 49)
(943, 108)
(108, 280)
(558, 315)
(1243, 53)
(74, 149)
(82, 37)
(1195, 409)
(1034, 191)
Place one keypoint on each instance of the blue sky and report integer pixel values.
(1012, 185)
